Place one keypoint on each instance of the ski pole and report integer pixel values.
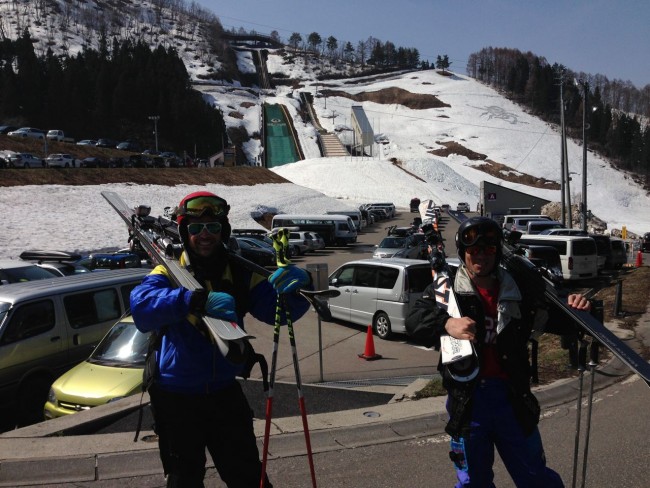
(593, 362)
(301, 398)
(269, 396)
(582, 361)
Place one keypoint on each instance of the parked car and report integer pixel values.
(58, 135)
(389, 246)
(94, 162)
(17, 271)
(603, 249)
(27, 132)
(257, 251)
(4, 129)
(58, 263)
(645, 242)
(380, 292)
(300, 243)
(171, 159)
(116, 260)
(462, 207)
(25, 160)
(49, 326)
(564, 232)
(87, 142)
(106, 143)
(129, 146)
(317, 241)
(414, 204)
(113, 371)
(415, 247)
(619, 254)
(578, 254)
(60, 161)
(538, 226)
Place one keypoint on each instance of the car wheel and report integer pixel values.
(296, 251)
(381, 326)
(26, 165)
(66, 165)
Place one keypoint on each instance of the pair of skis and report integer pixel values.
(526, 272)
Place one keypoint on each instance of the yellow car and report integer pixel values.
(113, 371)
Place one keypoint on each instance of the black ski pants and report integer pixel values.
(222, 422)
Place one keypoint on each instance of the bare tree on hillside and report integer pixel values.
(362, 52)
(295, 40)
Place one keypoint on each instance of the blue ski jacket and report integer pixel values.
(188, 362)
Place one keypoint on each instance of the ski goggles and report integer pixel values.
(195, 228)
(196, 207)
(485, 233)
(486, 250)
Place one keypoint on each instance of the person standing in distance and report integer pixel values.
(196, 400)
(494, 408)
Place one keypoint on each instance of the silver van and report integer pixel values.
(48, 326)
(537, 226)
(520, 224)
(509, 220)
(380, 292)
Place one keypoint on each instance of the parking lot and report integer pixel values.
(340, 343)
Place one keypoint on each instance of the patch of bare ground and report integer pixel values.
(493, 168)
(237, 176)
(416, 101)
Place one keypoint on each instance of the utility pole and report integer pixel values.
(583, 209)
(562, 161)
(155, 119)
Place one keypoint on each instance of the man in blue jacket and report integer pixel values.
(196, 401)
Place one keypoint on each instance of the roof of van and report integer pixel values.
(515, 216)
(45, 287)
(309, 216)
(401, 262)
(546, 237)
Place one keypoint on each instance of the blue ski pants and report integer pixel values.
(494, 425)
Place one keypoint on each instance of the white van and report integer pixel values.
(509, 221)
(337, 230)
(355, 215)
(578, 254)
(380, 292)
(47, 326)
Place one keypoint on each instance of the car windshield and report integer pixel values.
(124, 345)
(24, 273)
(392, 242)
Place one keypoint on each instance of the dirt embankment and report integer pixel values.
(239, 176)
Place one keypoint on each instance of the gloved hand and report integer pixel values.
(289, 278)
(221, 306)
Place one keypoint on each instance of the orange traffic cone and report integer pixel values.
(369, 353)
(639, 259)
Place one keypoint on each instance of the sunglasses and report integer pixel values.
(486, 250)
(487, 234)
(195, 229)
(196, 207)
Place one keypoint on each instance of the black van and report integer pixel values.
(645, 242)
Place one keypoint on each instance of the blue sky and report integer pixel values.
(610, 37)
